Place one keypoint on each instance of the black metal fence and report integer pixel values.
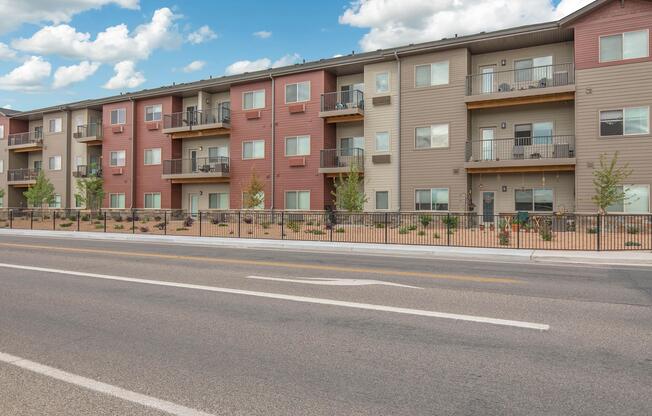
(525, 76)
(541, 232)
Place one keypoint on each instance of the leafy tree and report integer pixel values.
(347, 193)
(607, 180)
(41, 193)
(254, 195)
(90, 192)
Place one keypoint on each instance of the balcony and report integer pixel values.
(533, 85)
(209, 122)
(25, 142)
(22, 177)
(521, 154)
(342, 106)
(89, 133)
(199, 170)
(85, 171)
(336, 161)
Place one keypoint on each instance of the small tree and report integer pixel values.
(607, 180)
(347, 193)
(254, 195)
(41, 193)
(90, 192)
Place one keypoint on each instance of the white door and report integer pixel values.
(488, 145)
(193, 204)
(488, 79)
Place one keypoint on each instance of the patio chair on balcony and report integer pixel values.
(518, 152)
(504, 87)
(561, 150)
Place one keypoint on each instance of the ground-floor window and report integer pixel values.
(2, 201)
(78, 202)
(299, 200)
(218, 200)
(260, 198)
(382, 200)
(636, 201)
(540, 200)
(56, 203)
(153, 200)
(117, 201)
(435, 199)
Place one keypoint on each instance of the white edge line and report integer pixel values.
(100, 387)
(294, 298)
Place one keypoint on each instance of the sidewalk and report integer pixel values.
(616, 258)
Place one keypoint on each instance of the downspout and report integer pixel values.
(133, 152)
(398, 125)
(273, 140)
(67, 168)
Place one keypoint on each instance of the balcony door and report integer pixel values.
(348, 95)
(488, 206)
(488, 145)
(193, 204)
(192, 155)
(191, 115)
(488, 78)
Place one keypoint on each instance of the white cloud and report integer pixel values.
(240, 67)
(263, 34)
(16, 13)
(6, 53)
(393, 23)
(114, 44)
(66, 75)
(27, 77)
(125, 76)
(7, 106)
(194, 66)
(201, 35)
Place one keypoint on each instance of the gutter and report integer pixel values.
(273, 139)
(398, 124)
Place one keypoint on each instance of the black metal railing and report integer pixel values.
(521, 79)
(89, 130)
(516, 231)
(17, 175)
(28, 137)
(342, 100)
(84, 171)
(200, 165)
(521, 148)
(221, 114)
(342, 158)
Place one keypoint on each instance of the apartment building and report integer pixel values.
(514, 120)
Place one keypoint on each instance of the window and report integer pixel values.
(56, 125)
(57, 202)
(297, 200)
(153, 200)
(382, 82)
(37, 165)
(533, 69)
(349, 144)
(54, 163)
(535, 133)
(435, 136)
(38, 132)
(382, 199)
(261, 196)
(297, 146)
(296, 93)
(628, 121)
(117, 158)
(117, 201)
(533, 200)
(432, 74)
(254, 149)
(628, 45)
(153, 113)
(218, 201)
(2, 131)
(119, 116)
(79, 161)
(216, 153)
(636, 201)
(152, 156)
(432, 199)
(253, 99)
(382, 141)
(2, 166)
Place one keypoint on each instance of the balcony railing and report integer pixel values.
(521, 79)
(20, 175)
(521, 148)
(342, 158)
(28, 137)
(89, 130)
(221, 114)
(342, 100)
(200, 165)
(84, 171)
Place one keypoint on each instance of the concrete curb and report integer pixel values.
(631, 258)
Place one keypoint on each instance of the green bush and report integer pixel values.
(119, 227)
(85, 217)
(65, 224)
(222, 224)
(421, 232)
(315, 232)
(451, 222)
(592, 230)
(99, 226)
(436, 235)
(379, 225)
(632, 244)
(403, 230)
(425, 220)
(411, 227)
(339, 230)
(632, 229)
(294, 226)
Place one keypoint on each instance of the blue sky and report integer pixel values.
(50, 52)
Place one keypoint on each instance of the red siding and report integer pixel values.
(114, 182)
(607, 20)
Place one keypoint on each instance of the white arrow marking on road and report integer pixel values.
(332, 282)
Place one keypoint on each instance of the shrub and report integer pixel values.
(65, 224)
(339, 230)
(503, 238)
(315, 232)
(436, 235)
(403, 230)
(632, 229)
(632, 244)
(421, 232)
(545, 234)
(188, 222)
(425, 220)
(451, 222)
(157, 218)
(119, 227)
(592, 230)
(293, 226)
(379, 225)
(265, 225)
(99, 226)
(412, 227)
(85, 217)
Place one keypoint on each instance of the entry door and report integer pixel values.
(193, 204)
(488, 144)
(192, 155)
(488, 79)
(488, 202)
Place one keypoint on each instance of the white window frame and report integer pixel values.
(151, 194)
(254, 92)
(218, 200)
(124, 158)
(304, 137)
(622, 46)
(56, 203)
(389, 142)
(376, 82)
(297, 84)
(432, 189)
(297, 192)
(118, 195)
(153, 113)
(2, 131)
(649, 202)
(448, 137)
(430, 84)
(121, 113)
(253, 155)
(624, 111)
(58, 125)
(533, 190)
(57, 162)
(389, 204)
(152, 151)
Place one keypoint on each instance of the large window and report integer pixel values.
(117, 201)
(533, 69)
(56, 203)
(55, 125)
(54, 163)
(154, 112)
(2, 166)
(431, 74)
(382, 82)
(296, 93)
(626, 121)
(628, 45)
(253, 149)
(152, 156)
(119, 116)
(297, 200)
(435, 199)
(297, 146)
(431, 137)
(636, 201)
(253, 99)
(117, 158)
(216, 153)
(533, 200)
(153, 200)
(382, 141)
(2, 131)
(218, 200)
(382, 200)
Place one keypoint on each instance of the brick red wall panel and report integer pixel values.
(112, 142)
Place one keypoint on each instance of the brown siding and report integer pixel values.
(561, 53)
(561, 114)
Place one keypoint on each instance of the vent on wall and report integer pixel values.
(589, 165)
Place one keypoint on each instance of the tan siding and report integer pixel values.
(203, 190)
(561, 53)
(58, 144)
(561, 114)
(204, 143)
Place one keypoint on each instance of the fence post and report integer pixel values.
(54, 220)
(239, 215)
(599, 230)
(165, 223)
(200, 223)
(282, 225)
(386, 226)
(31, 220)
(11, 219)
(105, 221)
(78, 212)
(133, 221)
(518, 233)
(448, 228)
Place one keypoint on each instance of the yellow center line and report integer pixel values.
(301, 266)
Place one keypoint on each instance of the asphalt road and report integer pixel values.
(168, 329)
